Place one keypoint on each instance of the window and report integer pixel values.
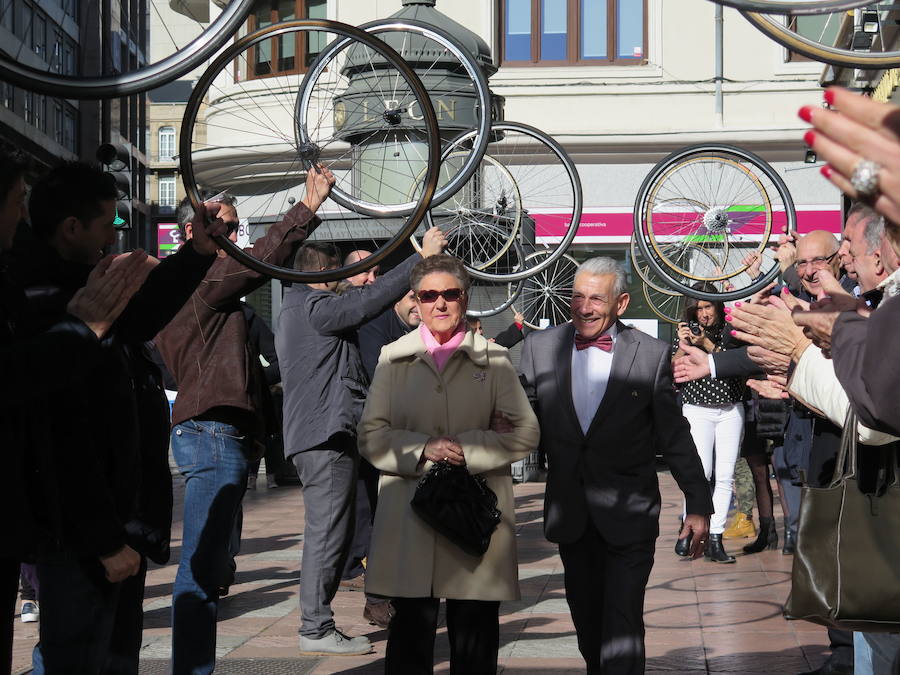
(587, 32)
(56, 59)
(70, 141)
(166, 144)
(40, 112)
(167, 191)
(29, 107)
(9, 100)
(69, 57)
(39, 36)
(286, 54)
(58, 121)
(7, 13)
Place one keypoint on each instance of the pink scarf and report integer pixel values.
(441, 353)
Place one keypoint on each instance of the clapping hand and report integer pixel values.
(108, 290)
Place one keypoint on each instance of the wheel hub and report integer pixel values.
(309, 152)
(716, 221)
(394, 116)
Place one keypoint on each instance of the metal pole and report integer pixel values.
(719, 65)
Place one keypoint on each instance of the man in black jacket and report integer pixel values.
(97, 486)
(32, 366)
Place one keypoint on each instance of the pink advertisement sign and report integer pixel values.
(617, 227)
(167, 240)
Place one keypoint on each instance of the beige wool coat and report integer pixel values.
(409, 402)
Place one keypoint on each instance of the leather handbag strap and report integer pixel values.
(845, 466)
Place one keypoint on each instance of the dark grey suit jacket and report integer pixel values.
(867, 364)
(322, 374)
(608, 476)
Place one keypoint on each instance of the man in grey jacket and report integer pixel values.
(325, 387)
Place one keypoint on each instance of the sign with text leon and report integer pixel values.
(616, 225)
(167, 239)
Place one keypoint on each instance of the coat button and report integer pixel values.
(439, 389)
(440, 430)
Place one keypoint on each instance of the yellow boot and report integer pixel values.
(741, 527)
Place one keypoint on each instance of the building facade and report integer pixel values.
(621, 84)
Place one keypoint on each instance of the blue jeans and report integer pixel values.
(214, 459)
(875, 653)
(78, 610)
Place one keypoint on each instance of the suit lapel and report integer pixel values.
(563, 359)
(623, 358)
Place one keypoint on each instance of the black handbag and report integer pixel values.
(458, 505)
(846, 570)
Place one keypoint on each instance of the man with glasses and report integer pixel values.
(325, 387)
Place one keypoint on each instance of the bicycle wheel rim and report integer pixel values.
(536, 194)
(708, 212)
(428, 185)
(485, 301)
(817, 51)
(483, 112)
(143, 79)
(547, 294)
(480, 229)
(668, 307)
(787, 219)
(795, 7)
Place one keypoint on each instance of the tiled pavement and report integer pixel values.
(700, 617)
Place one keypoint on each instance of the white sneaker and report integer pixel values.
(30, 612)
(335, 643)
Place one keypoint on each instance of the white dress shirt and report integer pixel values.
(590, 376)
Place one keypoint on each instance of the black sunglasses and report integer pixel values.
(449, 294)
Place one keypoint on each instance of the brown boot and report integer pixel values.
(741, 527)
(378, 613)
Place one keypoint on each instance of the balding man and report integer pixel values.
(366, 278)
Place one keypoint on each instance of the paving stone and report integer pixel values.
(700, 617)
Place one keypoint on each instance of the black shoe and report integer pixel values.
(790, 543)
(683, 546)
(767, 539)
(715, 552)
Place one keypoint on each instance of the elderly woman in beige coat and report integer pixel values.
(442, 393)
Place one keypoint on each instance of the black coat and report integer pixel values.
(32, 366)
(104, 435)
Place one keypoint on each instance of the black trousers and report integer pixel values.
(605, 585)
(9, 587)
(473, 627)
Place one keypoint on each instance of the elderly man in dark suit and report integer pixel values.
(603, 394)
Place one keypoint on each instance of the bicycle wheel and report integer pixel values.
(487, 298)
(794, 6)
(549, 188)
(175, 50)
(444, 65)
(714, 198)
(238, 134)
(647, 275)
(820, 44)
(666, 306)
(482, 219)
(547, 294)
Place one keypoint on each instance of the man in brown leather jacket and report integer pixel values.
(216, 420)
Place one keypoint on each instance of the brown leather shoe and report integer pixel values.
(379, 613)
(354, 584)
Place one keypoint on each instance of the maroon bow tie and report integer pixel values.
(604, 342)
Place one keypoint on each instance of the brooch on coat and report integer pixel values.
(479, 376)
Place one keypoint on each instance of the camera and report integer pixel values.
(694, 327)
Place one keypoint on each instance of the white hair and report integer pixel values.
(604, 265)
